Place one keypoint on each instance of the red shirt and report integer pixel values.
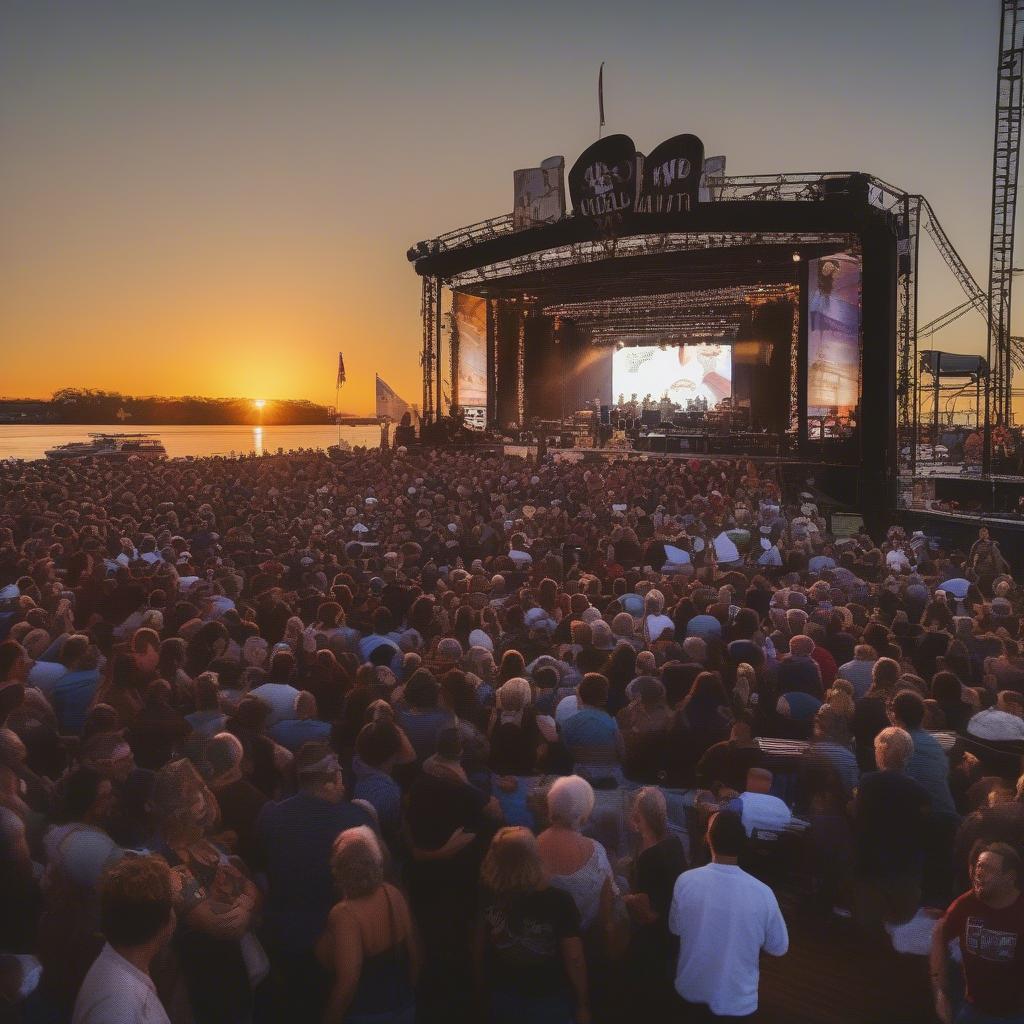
(827, 664)
(993, 952)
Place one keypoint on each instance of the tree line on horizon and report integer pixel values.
(91, 405)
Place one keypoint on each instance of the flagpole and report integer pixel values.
(600, 101)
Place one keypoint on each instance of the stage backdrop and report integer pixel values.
(470, 315)
(684, 371)
(833, 335)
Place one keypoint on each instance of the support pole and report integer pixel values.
(437, 344)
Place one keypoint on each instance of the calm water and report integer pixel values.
(31, 442)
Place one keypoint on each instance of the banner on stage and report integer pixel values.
(833, 337)
(469, 316)
(539, 194)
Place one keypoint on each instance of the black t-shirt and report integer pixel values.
(889, 816)
(437, 807)
(240, 804)
(869, 719)
(727, 762)
(657, 869)
(524, 935)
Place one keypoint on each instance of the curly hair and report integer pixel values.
(357, 863)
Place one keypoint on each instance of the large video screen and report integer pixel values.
(833, 337)
(683, 372)
(470, 313)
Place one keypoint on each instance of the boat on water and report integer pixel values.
(114, 447)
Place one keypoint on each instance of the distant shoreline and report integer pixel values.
(133, 426)
(91, 407)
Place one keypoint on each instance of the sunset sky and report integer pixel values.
(215, 197)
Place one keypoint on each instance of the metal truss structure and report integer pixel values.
(631, 245)
(427, 353)
(911, 214)
(1005, 163)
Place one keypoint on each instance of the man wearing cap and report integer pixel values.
(295, 837)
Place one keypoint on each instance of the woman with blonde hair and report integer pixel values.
(216, 902)
(529, 953)
(840, 699)
(369, 941)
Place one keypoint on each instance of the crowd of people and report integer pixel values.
(440, 735)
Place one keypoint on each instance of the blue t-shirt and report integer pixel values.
(72, 696)
(423, 727)
(590, 727)
(381, 791)
(706, 627)
(802, 706)
(929, 766)
(591, 735)
(295, 837)
(292, 733)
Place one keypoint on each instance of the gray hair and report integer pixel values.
(570, 801)
(893, 748)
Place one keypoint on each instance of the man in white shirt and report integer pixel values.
(770, 554)
(726, 551)
(137, 907)
(521, 558)
(725, 919)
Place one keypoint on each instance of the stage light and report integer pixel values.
(796, 257)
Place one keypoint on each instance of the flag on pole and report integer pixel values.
(341, 369)
(600, 93)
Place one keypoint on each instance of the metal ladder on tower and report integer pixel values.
(1004, 352)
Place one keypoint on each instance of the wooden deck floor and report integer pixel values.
(834, 974)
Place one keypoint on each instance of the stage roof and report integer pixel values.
(609, 274)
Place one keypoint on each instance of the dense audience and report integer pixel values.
(452, 736)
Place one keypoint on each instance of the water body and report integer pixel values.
(19, 441)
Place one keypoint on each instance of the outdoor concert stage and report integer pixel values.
(762, 317)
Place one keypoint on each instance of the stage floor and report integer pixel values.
(611, 454)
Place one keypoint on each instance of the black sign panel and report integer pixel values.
(671, 176)
(602, 182)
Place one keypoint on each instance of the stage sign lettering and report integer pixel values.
(611, 179)
(672, 173)
(603, 181)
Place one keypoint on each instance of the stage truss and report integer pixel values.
(908, 212)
